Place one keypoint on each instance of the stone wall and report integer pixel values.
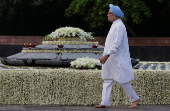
(149, 41)
(133, 41)
(20, 40)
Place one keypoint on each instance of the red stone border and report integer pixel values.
(133, 41)
(149, 41)
(20, 40)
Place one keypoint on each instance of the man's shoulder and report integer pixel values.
(119, 25)
(118, 22)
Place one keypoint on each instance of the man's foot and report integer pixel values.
(101, 106)
(134, 104)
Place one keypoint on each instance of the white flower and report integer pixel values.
(85, 62)
(92, 65)
(71, 32)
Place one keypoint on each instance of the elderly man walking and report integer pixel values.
(116, 60)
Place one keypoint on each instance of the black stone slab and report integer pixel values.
(54, 62)
(84, 46)
(43, 46)
(38, 56)
(162, 67)
(100, 46)
(138, 66)
(79, 55)
(146, 66)
(99, 55)
(15, 56)
(14, 62)
(134, 61)
(52, 47)
(154, 66)
(68, 46)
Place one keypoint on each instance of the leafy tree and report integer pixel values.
(165, 17)
(158, 24)
(40, 17)
(95, 11)
(31, 17)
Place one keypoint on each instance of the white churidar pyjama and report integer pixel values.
(107, 88)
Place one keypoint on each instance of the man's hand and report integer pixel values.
(103, 59)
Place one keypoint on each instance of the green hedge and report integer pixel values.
(77, 87)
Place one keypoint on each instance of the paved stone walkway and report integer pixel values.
(82, 108)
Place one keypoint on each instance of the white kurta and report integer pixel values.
(118, 65)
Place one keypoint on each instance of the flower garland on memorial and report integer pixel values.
(69, 32)
(70, 42)
(85, 62)
(62, 51)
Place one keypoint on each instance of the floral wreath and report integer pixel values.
(69, 32)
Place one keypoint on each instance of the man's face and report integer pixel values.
(111, 16)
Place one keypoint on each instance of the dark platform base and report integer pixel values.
(52, 62)
(137, 52)
(150, 53)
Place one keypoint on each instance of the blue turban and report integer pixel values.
(116, 10)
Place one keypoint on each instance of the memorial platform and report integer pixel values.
(65, 86)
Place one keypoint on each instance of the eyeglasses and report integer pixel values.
(110, 13)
